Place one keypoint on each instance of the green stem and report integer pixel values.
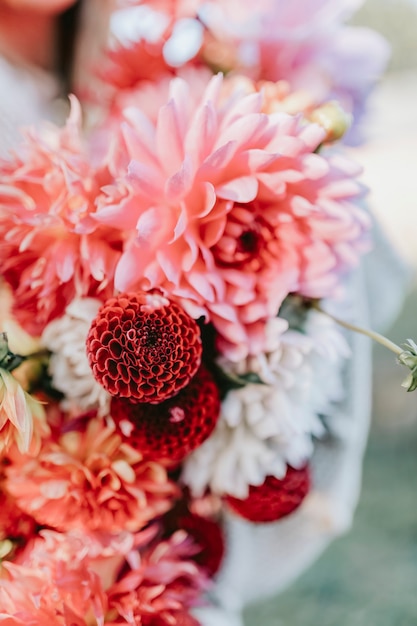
(387, 343)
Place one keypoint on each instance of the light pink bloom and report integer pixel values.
(52, 584)
(306, 43)
(18, 410)
(229, 209)
(161, 586)
(64, 579)
(61, 579)
(89, 479)
(52, 250)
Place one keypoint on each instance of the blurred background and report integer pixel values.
(369, 576)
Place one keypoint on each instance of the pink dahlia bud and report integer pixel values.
(171, 429)
(143, 347)
(274, 498)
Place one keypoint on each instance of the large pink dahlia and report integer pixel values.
(230, 209)
(162, 587)
(52, 250)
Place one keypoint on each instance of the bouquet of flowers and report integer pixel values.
(165, 358)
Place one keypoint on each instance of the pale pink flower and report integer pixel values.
(305, 42)
(64, 579)
(89, 479)
(23, 600)
(161, 586)
(52, 250)
(150, 95)
(230, 209)
(52, 584)
(18, 412)
(60, 580)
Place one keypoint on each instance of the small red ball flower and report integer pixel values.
(143, 347)
(274, 498)
(171, 429)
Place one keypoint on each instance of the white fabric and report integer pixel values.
(215, 616)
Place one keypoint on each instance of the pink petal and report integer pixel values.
(169, 138)
(217, 161)
(65, 259)
(129, 268)
(202, 133)
(177, 186)
(242, 189)
(155, 226)
(144, 179)
(246, 131)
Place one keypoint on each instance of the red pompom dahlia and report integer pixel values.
(143, 347)
(171, 429)
(274, 498)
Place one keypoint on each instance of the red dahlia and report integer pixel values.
(274, 498)
(171, 429)
(143, 347)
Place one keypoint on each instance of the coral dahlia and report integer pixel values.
(52, 583)
(143, 347)
(90, 480)
(52, 250)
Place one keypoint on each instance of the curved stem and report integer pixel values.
(387, 343)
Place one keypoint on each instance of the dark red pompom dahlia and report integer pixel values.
(175, 427)
(143, 347)
(274, 498)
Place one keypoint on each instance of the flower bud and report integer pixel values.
(333, 118)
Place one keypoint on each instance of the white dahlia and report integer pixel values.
(267, 425)
(71, 374)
